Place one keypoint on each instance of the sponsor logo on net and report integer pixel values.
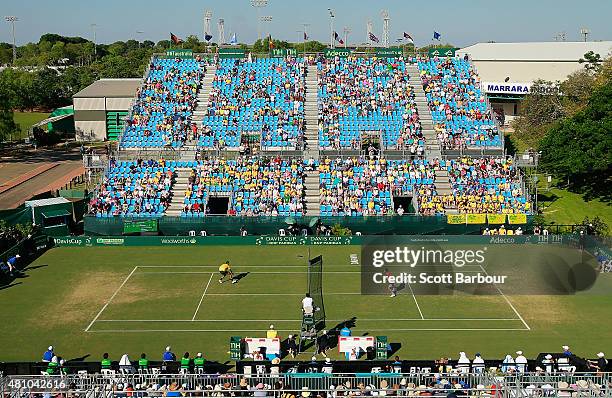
(110, 241)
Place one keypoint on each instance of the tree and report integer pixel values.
(539, 109)
(576, 91)
(579, 148)
(596, 226)
(592, 61)
(8, 127)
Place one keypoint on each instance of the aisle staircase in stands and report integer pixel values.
(311, 115)
(443, 186)
(432, 147)
(181, 183)
(189, 149)
(311, 187)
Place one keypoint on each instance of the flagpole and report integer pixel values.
(305, 25)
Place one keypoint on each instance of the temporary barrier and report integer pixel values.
(226, 225)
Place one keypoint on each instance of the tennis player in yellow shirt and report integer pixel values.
(226, 270)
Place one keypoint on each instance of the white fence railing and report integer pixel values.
(144, 384)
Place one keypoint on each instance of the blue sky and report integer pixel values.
(462, 22)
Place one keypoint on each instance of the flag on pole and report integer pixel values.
(207, 37)
(337, 38)
(436, 36)
(305, 36)
(175, 39)
(374, 38)
(408, 38)
(234, 40)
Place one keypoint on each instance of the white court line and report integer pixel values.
(282, 294)
(299, 320)
(268, 272)
(507, 301)
(111, 298)
(256, 272)
(298, 266)
(292, 330)
(202, 298)
(416, 302)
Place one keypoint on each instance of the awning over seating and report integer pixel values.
(55, 213)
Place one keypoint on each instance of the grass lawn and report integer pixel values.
(25, 120)
(560, 206)
(139, 299)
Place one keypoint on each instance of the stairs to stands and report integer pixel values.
(311, 115)
(203, 94)
(443, 186)
(432, 147)
(311, 187)
(181, 184)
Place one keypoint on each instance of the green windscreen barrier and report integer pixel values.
(115, 123)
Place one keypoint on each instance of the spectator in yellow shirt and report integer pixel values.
(271, 333)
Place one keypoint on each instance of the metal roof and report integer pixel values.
(557, 51)
(46, 202)
(109, 88)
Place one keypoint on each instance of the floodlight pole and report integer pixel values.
(93, 27)
(12, 19)
(139, 32)
(258, 5)
(346, 33)
(331, 27)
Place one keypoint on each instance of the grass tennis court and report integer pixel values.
(86, 301)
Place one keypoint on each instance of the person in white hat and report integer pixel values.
(478, 364)
(327, 367)
(168, 355)
(508, 366)
(48, 355)
(601, 364)
(566, 351)
(548, 363)
(521, 362)
(463, 364)
(292, 346)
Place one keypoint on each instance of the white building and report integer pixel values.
(100, 108)
(507, 70)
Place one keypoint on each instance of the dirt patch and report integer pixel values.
(138, 290)
(551, 309)
(80, 303)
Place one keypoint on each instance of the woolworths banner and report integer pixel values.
(389, 52)
(88, 241)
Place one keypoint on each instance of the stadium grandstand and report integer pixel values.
(367, 112)
(301, 220)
